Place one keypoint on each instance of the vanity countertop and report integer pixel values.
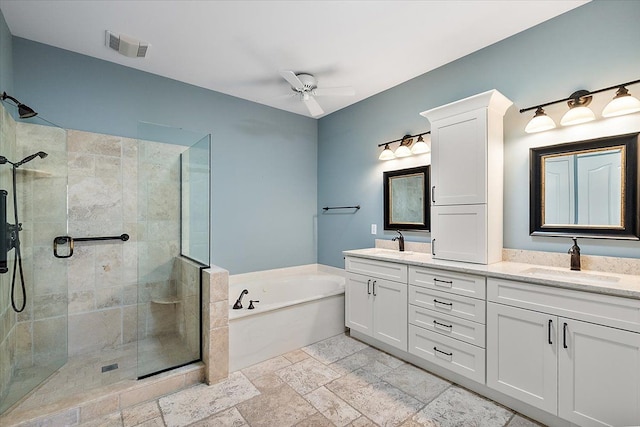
(623, 285)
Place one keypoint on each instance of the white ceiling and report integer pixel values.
(240, 47)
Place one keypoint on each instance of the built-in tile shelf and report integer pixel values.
(171, 299)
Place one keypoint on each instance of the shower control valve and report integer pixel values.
(251, 307)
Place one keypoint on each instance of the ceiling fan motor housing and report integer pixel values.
(308, 81)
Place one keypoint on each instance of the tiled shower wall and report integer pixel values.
(115, 185)
(120, 185)
(7, 317)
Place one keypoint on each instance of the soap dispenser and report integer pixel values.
(575, 255)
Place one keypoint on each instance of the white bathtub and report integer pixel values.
(298, 306)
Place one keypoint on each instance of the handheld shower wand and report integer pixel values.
(10, 233)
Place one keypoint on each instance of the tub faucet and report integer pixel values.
(574, 251)
(238, 304)
(400, 240)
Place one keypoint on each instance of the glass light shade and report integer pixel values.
(540, 122)
(577, 115)
(387, 154)
(402, 151)
(621, 104)
(421, 146)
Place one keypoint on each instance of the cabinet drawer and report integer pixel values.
(617, 312)
(457, 356)
(454, 327)
(444, 302)
(375, 268)
(459, 283)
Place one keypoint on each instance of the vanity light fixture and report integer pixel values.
(621, 104)
(579, 112)
(421, 146)
(540, 122)
(406, 148)
(403, 149)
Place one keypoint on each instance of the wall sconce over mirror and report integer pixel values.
(579, 111)
(406, 205)
(407, 146)
(586, 189)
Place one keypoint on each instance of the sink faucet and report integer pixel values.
(400, 240)
(238, 304)
(575, 255)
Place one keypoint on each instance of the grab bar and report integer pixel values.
(341, 207)
(69, 241)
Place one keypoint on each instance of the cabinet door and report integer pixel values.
(521, 355)
(459, 233)
(459, 159)
(390, 313)
(359, 303)
(599, 375)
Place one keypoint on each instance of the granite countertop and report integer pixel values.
(622, 285)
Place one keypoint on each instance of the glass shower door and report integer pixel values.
(33, 338)
(168, 283)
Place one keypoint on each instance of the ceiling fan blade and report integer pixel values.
(293, 80)
(312, 105)
(334, 91)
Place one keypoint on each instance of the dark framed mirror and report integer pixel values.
(406, 205)
(586, 189)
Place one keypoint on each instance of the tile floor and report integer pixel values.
(335, 382)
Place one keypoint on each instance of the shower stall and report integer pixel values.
(97, 310)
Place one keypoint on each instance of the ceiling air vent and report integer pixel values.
(126, 45)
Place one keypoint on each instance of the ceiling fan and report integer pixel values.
(306, 86)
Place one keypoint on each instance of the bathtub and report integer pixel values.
(298, 306)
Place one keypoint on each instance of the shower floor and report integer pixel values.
(83, 374)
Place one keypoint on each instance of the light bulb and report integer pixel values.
(402, 151)
(387, 154)
(420, 147)
(540, 122)
(577, 115)
(621, 104)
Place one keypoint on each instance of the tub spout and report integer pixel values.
(238, 304)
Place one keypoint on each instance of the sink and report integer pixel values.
(390, 251)
(569, 275)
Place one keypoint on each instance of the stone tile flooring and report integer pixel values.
(335, 382)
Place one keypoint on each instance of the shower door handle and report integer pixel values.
(62, 240)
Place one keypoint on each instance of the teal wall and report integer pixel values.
(264, 161)
(6, 59)
(591, 47)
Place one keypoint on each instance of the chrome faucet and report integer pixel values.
(400, 240)
(238, 304)
(574, 251)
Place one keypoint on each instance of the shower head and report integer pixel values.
(24, 111)
(27, 159)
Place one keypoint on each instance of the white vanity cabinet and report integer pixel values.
(466, 178)
(447, 320)
(573, 354)
(376, 300)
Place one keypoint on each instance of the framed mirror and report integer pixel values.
(406, 205)
(586, 189)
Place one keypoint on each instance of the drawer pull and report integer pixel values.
(368, 284)
(549, 332)
(445, 283)
(436, 323)
(443, 352)
(564, 335)
(435, 301)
